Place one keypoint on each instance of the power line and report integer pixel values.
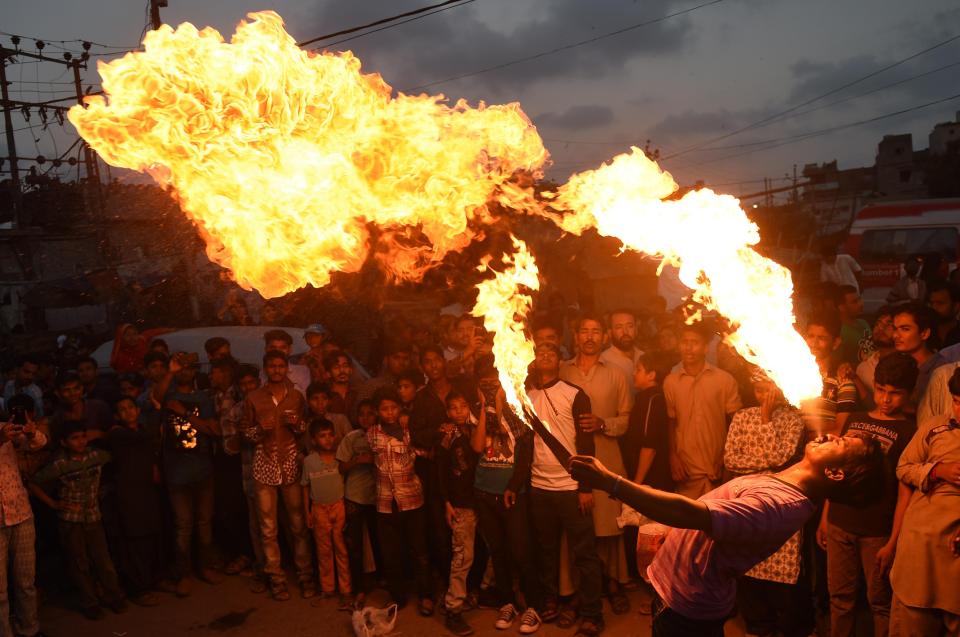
(565, 47)
(75, 40)
(390, 26)
(447, 4)
(776, 143)
(832, 91)
(621, 142)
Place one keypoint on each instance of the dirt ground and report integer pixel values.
(229, 609)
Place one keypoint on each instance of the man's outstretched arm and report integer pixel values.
(671, 509)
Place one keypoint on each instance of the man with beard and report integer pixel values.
(610, 401)
(622, 353)
(883, 344)
(343, 397)
(396, 360)
(944, 300)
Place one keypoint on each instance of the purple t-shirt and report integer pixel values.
(751, 517)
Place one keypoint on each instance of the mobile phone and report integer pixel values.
(18, 415)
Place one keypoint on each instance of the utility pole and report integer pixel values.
(15, 194)
(155, 12)
(88, 159)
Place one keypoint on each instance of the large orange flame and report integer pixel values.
(504, 302)
(710, 239)
(284, 159)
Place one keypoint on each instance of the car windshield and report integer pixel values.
(897, 243)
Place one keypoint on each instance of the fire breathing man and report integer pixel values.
(727, 531)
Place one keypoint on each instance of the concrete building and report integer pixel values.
(944, 134)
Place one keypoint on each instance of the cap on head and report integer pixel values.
(316, 328)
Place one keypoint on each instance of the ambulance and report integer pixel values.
(883, 234)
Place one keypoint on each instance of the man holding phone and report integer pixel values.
(17, 536)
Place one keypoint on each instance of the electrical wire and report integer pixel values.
(565, 47)
(776, 143)
(807, 102)
(390, 26)
(448, 4)
(623, 142)
(75, 40)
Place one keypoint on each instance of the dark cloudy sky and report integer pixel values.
(679, 82)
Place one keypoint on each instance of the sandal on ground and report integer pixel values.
(589, 628)
(236, 565)
(279, 592)
(619, 603)
(567, 617)
(426, 607)
(550, 612)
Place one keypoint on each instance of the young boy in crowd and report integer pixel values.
(502, 501)
(867, 537)
(408, 382)
(838, 400)
(456, 464)
(646, 445)
(360, 491)
(134, 451)
(318, 400)
(400, 510)
(323, 505)
(77, 468)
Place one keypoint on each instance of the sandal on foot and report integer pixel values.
(619, 603)
(589, 628)
(567, 617)
(279, 592)
(426, 607)
(550, 613)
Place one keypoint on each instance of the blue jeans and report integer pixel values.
(192, 506)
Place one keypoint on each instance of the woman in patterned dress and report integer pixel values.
(764, 439)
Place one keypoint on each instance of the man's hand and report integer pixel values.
(451, 515)
(677, 471)
(591, 472)
(176, 407)
(822, 534)
(60, 505)
(586, 503)
(949, 472)
(30, 429)
(845, 371)
(767, 405)
(8, 431)
(591, 423)
(509, 499)
(448, 428)
(884, 559)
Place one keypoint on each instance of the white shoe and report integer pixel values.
(508, 613)
(530, 622)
